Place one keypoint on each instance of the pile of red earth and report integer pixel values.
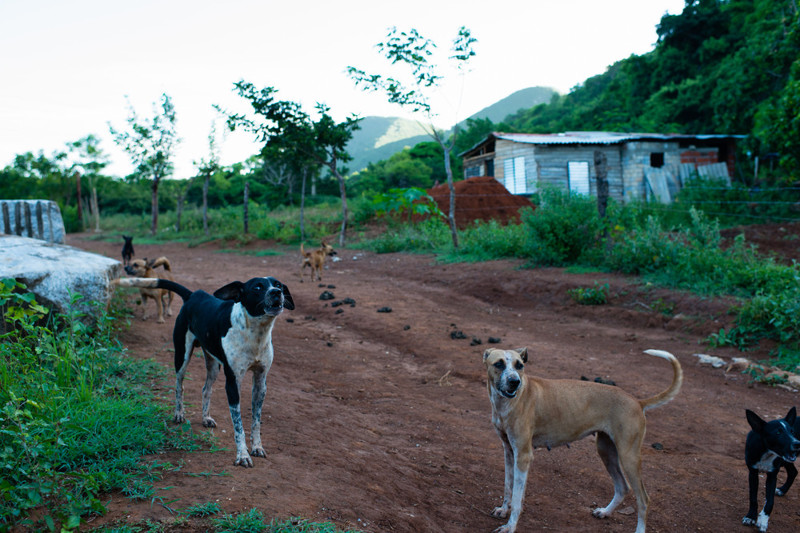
(480, 198)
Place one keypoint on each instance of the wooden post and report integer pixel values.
(80, 207)
(601, 171)
(246, 196)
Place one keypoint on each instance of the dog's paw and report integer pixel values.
(179, 418)
(779, 492)
(763, 520)
(600, 512)
(748, 521)
(505, 529)
(258, 451)
(500, 512)
(244, 461)
(209, 422)
(161, 320)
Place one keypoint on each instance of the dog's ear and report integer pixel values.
(755, 421)
(486, 354)
(791, 416)
(288, 303)
(231, 291)
(523, 353)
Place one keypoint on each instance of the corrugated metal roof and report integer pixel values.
(601, 137)
(595, 137)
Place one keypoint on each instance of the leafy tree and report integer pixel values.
(206, 168)
(779, 124)
(284, 127)
(150, 143)
(401, 170)
(415, 52)
(88, 160)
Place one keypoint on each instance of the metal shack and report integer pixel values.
(639, 165)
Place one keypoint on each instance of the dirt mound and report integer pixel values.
(480, 198)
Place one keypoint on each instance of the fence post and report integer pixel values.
(601, 171)
(246, 196)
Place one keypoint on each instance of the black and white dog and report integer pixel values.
(770, 446)
(234, 328)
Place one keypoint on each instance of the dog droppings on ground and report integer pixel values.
(385, 310)
(349, 453)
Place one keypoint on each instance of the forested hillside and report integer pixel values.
(721, 66)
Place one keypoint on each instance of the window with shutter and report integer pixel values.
(578, 173)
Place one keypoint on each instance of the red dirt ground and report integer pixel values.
(381, 421)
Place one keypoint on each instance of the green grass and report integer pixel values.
(76, 415)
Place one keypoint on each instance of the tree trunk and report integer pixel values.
(303, 207)
(154, 208)
(205, 204)
(179, 212)
(451, 216)
(80, 210)
(95, 210)
(343, 194)
(246, 198)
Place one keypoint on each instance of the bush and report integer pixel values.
(564, 229)
(597, 295)
(485, 241)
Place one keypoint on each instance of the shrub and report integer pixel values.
(597, 295)
(565, 228)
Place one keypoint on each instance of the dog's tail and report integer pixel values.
(302, 250)
(161, 261)
(155, 283)
(674, 388)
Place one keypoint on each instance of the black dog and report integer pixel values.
(770, 446)
(234, 329)
(127, 250)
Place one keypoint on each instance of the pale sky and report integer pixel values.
(66, 66)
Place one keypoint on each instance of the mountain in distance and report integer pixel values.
(522, 99)
(380, 137)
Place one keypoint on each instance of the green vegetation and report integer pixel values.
(680, 248)
(718, 67)
(75, 415)
(597, 295)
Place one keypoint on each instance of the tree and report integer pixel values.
(284, 127)
(150, 144)
(415, 52)
(89, 160)
(207, 168)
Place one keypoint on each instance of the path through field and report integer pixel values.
(380, 421)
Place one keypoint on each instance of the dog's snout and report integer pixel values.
(513, 383)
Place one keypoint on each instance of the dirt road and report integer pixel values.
(380, 421)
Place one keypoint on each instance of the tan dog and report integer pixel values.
(315, 259)
(530, 412)
(142, 268)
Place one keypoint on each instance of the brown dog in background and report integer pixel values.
(142, 268)
(315, 259)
